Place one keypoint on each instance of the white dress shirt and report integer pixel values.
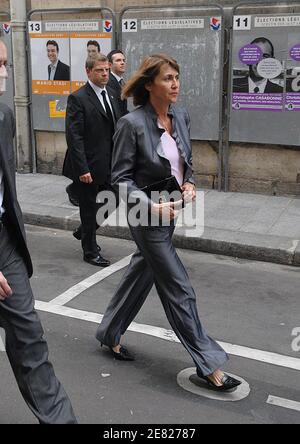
(53, 70)
(261, 85)
(1, 192)
(98, 92)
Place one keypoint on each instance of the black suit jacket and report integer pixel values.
(115, 85)
(62, 72)
(242, 85)
(89, 135)
(7, 161)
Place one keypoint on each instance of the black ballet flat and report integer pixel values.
(229, 383)
(123, 354)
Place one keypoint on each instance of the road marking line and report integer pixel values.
(2, 340)
(169, 335)
(262, 356)
(285, 403)
(75, 291)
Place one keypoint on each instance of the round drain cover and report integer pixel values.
(188, 380)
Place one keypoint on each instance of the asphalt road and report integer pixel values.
(250, 307)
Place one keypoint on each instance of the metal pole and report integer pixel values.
(23, 123)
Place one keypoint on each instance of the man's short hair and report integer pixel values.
(94, 43)
(264, 40)
(54, 43)
(91, 61)
(112, 53)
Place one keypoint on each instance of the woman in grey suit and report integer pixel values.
(151, 144)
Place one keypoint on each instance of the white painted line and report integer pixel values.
(169, 335)
(2, 340)
(285, 403)
(2, 346)
(75, 291)
(262, 356)
(68, 312)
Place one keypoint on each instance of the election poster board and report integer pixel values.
(265, 79)
(195, 40)
(59, 51)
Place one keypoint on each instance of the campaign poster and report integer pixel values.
(59, 50)
(266, 65)
(292, 102)
(50, 64)
(259, 54)
(87, 45)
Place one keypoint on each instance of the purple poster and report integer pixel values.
(292, 99)
(257, 82)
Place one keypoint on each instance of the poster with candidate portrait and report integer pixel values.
(266, 64)
(58, 52)
(265, 79)
(292, 102)
(258, 70)
(84, 45)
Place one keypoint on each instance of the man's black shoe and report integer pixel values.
(72, 198)
(98, 261)
(77, 235)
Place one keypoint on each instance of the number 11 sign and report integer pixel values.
(242, 23)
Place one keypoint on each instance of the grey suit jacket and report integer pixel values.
(138, 159)
(7, 161)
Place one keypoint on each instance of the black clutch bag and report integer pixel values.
(167, 190)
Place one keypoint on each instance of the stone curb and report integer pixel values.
(266, 248)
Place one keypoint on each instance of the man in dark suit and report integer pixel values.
(92, 113)
(26, 349)
(241, 85)
(254, 83)
(117, 63)
(93, 49)
(56, 70)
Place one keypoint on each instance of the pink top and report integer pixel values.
(172, 153)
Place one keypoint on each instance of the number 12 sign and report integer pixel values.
(130, 25)
(242, 22)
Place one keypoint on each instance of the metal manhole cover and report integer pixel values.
(188, 380)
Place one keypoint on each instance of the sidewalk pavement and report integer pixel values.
(247, 226)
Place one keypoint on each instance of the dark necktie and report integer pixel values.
(107, 109)
(256, 89)
(121, 83)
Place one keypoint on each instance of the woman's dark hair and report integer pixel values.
(147, 72)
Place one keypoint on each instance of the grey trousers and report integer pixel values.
(26, 348)
(156, 262)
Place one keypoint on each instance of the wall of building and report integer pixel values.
(4, 5)
(252, 167)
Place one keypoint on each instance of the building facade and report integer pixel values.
(258, 168)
